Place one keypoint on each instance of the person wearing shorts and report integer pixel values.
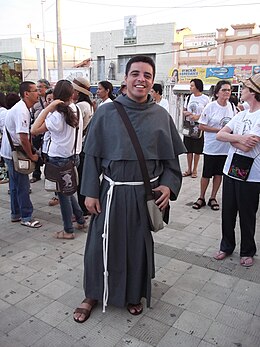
(214, 117)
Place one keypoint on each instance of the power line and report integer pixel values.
(161, 53)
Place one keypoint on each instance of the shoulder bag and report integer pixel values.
(22, 163)
(156, 217)
(63, 179)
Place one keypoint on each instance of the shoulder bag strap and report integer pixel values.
(121, 110)
(10, 139)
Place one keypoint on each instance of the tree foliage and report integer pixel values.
(9, 82)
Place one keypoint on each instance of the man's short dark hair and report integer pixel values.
(142, 59)
(45, 82)
(25, 87)
(198, 84)
(157, 87)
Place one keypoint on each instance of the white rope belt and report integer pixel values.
(106, 229)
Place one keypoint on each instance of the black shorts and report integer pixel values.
(213, 165)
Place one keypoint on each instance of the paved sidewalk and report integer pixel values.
(197, 301)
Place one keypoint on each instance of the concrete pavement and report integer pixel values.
(196, 300)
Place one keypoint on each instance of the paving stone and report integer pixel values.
(55, 338)
(178, 297)
(193, 324)
(243, 301)
(73, 260)
(13, 292)
(224, 280)
(30, 331)
(6, 340)
(250, 288)
(175, 337)
(20, 272)
(178, 266)
(72, 298)
(204, 306)
(159, 289)
(24, 256)
(149, 330)
(200, 272)
(34, 303)
(55, 289)
(222, 335)
(161, 260)
(190, 283)
(205, 344)
(3, 305)
(254, 327)
(164, 312)
(38, 280)
(75, 278)
(215, 292)
(11, 318)
(234, 318)
(167, 276)
(128, 340)
(54, 313)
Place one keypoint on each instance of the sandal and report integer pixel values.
(246, 261)
(198, 205)
(213, 204)
(194, 174)
(220, 255)
(135, 310)
(186, 174)
(63, 235)
(84, 311)
(32, 223)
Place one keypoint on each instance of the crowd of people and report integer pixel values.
(63, 124)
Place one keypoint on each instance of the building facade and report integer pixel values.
(31, 57)
(111, 50)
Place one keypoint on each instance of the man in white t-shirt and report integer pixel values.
(214, 117)
(17, 122)
(241, 185)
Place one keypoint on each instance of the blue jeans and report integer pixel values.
(68, 204)
(21, 205)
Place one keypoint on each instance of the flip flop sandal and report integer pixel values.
(194, 175)
(246, 261)
(92, 303)
(15, 220)
(32, 224)
(186, 174)
(63, 235)
(198, 205)
(220, 255)
(213, 204)
(135, 310)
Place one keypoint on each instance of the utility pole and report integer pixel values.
(44, 42)
(59, 42)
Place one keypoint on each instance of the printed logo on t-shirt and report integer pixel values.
(24, 123)
(224, 121)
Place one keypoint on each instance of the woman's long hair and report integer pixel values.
(64, 91)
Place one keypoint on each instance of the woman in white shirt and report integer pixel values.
(105, 93)
(241, 187)
(61, 118)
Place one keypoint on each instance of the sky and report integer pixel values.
(80, 17)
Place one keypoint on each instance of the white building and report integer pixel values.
(111, 50)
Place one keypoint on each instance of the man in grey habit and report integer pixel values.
(119, 253)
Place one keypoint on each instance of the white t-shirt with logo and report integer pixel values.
(216, 116)
(17, 121)
(243, 123)
(196, 104)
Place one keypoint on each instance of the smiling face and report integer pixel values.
(139, 81)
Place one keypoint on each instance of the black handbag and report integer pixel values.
(240, 166)
(156, 217)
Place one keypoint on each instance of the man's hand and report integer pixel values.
(93, 205)
(34, 157)
(163, 200)
(249, 140)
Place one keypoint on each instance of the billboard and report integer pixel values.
(199, 40)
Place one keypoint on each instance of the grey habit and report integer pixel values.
(109, 151)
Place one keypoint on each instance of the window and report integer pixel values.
(101, 68)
